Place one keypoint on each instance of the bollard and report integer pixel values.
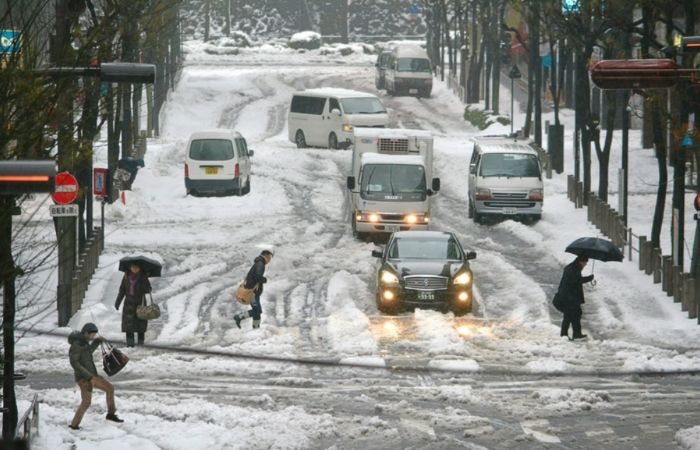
(688, 293)
(642, 253)
(677, 284)
(667, 274)
(695, 307)
(630, 247)
(656, 264)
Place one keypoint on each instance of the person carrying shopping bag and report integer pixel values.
(254, 280)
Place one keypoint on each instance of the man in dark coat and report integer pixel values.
(255, 280)
(134, 287)
(571, 296)
(82, 344)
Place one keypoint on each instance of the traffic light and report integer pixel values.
(690, 44)
(26, 177)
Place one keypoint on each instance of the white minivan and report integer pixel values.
(326, 117)
(505, 179)
(409, 72)
(217, 162)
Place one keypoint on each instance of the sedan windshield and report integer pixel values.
(414, 65)
(440, 249)
(509, 165)
(211, 150)
(398, 181)
(366, 105)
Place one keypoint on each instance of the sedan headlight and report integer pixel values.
(463, 279)
(389, 278)
(347, 128)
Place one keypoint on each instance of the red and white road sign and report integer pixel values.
(66, 189)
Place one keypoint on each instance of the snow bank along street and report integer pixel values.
(501, 377)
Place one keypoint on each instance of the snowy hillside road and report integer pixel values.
(319, 303)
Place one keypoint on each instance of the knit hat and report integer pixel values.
(89, 328)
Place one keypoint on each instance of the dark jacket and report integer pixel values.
(571, 285)
(131, 323)
(256, 276)
(80, 355)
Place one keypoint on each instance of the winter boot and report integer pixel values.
(141, 339)
(129, 339)
(256, 324)
(74, 428)
(241, 316)
(114, 418)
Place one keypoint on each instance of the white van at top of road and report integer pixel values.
(326, 117)
(409, 72)
(505, 178)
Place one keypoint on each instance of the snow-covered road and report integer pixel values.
(319, 303)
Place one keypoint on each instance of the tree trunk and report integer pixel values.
(207, 19)
(604, 153)
(661, 157)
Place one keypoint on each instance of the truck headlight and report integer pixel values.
(374, 218)
(536, 195)
(411, 218)
(463, 279)
(347, 128)
(483, 194)
(389, 278)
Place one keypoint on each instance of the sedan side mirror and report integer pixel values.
(471, 255)
(472, 169)
(250, 152)
(436, 184)
(351, 183)
(377, 253)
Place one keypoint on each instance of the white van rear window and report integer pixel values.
(413, 65)
(211, 150)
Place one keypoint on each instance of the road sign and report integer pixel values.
(635, 73)
(10, 41)
(514, 73)
(66, 188)
(99, 182)
(64, 210)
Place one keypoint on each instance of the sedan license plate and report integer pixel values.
(211, 170)
(426, 296)
(392, 228)
(510, 211)
(413, 91)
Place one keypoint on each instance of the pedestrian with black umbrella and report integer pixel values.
(569, 297)
(133, 289)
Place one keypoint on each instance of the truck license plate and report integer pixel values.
(392, 228)
(510, 211)
(426, 296)
(413, 91)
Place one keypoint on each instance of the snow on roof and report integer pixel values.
(503, 145)
(215, 134)
(410, 51)
(335, 92)
(380, 158)
(391, 133)
(423, 234)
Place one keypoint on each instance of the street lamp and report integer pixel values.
(513, 75)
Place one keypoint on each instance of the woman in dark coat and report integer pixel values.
(134, 287)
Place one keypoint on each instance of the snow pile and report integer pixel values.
(571, 400)
(689, 438)
(309, 40)
(548, 365)
(347, 49)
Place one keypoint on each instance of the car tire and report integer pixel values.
(300, 139)
(478, 218)
(459, 311)
(246, 190)
(333, 141)
(470, 209)
(425, 93)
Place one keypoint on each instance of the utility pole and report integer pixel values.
(8, 271)
(344, 17)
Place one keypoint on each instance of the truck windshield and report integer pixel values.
(393, 182)
(440, 249)
(518, 165)
(367, 105)
(414, 65)
(211, 150)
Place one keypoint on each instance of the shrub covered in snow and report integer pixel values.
(309, 40)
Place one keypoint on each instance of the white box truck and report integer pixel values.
(391, 181)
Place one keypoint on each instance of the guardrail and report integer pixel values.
(674, 282)
(87, 264)
(28, 424)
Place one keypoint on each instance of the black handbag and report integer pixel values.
(113, 360)
(558, 302)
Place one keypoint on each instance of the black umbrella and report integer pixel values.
(595, 248)
(150, 267)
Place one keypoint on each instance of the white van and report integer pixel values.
(217, 162)
(409, 72)
(505, 179)
(326, 117)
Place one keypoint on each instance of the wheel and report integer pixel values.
(535, 218)
(470, 209)
(332, 141)
(300, 139)
(460, 311)
(246, 190)
(240, 191)
(425, 93)
(477, 217)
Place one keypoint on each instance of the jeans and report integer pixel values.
(572, 316)
(255, 308)
(86, 397)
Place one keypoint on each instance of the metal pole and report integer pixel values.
(625, 155)
(8, 272)
(512, 94)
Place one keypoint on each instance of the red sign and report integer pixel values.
(99, 182)
(66, 189)
(635, 73)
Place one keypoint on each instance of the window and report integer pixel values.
(333, 104)
(242, 148)
(414, 65)
(363, 105)
(434, 249)
(509, 165)
(401, 182)
(211, 150)
(307, 105)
